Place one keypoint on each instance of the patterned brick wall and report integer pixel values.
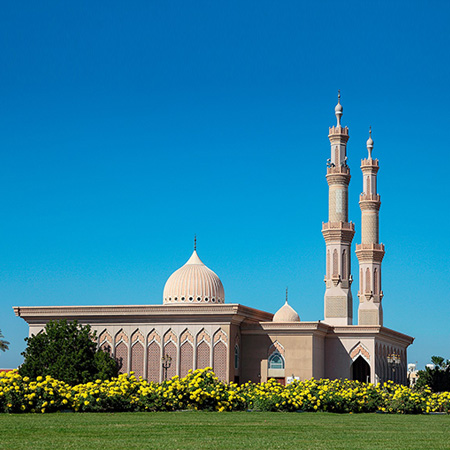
(220, 361)
(153, 362)
(171, 350)
(186, 358)
(203, 355)
(122, 356)
(137, 359)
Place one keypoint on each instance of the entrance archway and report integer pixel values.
(361, 370)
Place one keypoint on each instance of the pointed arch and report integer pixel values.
(360, 349)
(121, 336)
(153, 336)
(220, 335)
(203, 335)
(186, 335)
(105, 341)
(276, 347)
(137, 336)
(361, 280)
(169, 335)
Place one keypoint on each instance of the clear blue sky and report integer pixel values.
(127, 127)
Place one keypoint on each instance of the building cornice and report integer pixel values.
(232, 312)
(286, 328)
(374, 330)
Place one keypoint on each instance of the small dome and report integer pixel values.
(286, 314)
(193, 283)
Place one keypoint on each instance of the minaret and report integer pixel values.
(338, 231)
(370, 252)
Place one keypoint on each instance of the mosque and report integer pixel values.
(197, 329)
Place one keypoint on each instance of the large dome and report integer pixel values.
(193, 283)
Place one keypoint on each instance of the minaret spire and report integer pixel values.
(338, 231)
(369, 143)
(370, 252)
(339, 110)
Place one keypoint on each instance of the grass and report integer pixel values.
(239, 430)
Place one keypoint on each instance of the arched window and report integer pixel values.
(236, 357)
(276, 361)
(368, 185)
(368, 280)
(328, 264)
(344, 265)
(335, 263)
(375, 281)
(361, 280)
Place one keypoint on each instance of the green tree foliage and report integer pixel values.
(438, 378)
(4, 345)
(67, 351)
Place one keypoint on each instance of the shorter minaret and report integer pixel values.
(370, 252)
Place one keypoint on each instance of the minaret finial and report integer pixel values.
(339, 110)
(369, 143)
(195, 242)
(286, 294)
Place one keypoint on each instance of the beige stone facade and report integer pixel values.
(197, 329)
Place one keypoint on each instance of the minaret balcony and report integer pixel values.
(338, 130)
(338, 226)
(369, 162)
(344, 169)
(379, 247)
(369, 197)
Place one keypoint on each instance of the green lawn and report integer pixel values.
(239, 430)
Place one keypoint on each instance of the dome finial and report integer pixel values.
(286, 294)
(369, 143)
(339, 110)
(195, 242)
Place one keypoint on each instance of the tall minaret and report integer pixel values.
(370, 252)
(338, 231)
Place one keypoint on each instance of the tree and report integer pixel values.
(437, 378)
(68, 352)
(4, 345)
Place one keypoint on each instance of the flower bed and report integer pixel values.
(201, 390)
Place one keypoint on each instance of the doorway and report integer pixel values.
(361, 370)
